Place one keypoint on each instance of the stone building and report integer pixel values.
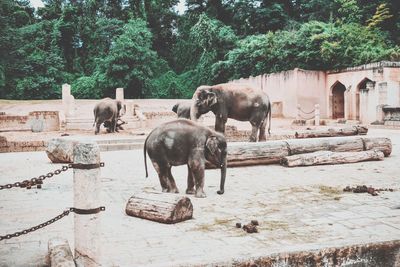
(368, 93)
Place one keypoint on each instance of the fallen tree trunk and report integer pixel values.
(270, 152)
(160, 207)
(329, 157)
(332, 132)
(245, 154)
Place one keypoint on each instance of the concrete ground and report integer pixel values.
(297, 208)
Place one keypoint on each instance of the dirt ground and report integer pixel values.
(298, 209)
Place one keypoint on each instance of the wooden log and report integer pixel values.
(245, 154)
(336, 144)
(270, 152)
(332, 132)
(160, 207)
(329, 157)
(378, 143)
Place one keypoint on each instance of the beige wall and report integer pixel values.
(291, 88)
(306, 88)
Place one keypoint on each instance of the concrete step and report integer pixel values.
(121, 146)
(121, 141)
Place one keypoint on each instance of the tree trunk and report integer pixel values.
(245, 154)
(331, 132)
(160, 207)
(329, 157)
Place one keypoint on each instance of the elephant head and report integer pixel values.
(216, 152)
(204, 99)
(121, 108)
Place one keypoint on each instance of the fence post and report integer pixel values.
(87, 196)
(298, 113)
(119, 94)
(316, 108)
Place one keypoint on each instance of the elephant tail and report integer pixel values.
(145, 158)
(269, 114)
(95, 117)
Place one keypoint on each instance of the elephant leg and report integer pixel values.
(113, 125)
(197, 167)
(171, 186)
(220, 123)
(254, 130)
(190, 182)
(262, 136)
(162, 175)
(97, 127)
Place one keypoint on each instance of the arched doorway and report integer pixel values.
(362, 86)
(338, 90)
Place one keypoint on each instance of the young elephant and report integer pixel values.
(108, 110)
(236, 101)
(185, 142)
(182, 110)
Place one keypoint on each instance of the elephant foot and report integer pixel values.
(190, 191)
(173, 190)
(200, 194)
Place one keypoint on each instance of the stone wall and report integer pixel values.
(37, 121)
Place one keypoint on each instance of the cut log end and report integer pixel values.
(160, 207)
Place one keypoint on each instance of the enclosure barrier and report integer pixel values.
(304, 115)
(86, 175)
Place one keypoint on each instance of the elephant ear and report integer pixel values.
(212, 144)
(211, 99)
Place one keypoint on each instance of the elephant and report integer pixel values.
(182, 142)
(241, 102)
(108, 110)
(182, 109)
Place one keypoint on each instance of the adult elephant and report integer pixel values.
(182, 142)
(236, 101)
(108, 110)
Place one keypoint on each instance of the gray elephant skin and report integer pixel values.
(182, 142)
(236, 101)
(182, 109)
(108, 110)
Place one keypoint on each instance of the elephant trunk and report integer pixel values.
(223, 176)
(194, 110)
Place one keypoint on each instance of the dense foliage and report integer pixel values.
(153, 50)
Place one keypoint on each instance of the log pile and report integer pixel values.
(270, 152)
(159, 207)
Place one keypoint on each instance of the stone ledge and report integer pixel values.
(370, 254)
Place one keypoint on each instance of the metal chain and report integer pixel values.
(38, 181)
(58, 217)
(313, 117)
(312, 111)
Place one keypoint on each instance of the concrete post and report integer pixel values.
(65, 94)
(317, 114)
(119, 94)
(87, 196)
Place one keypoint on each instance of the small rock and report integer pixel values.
(249, 228)
(254, 222)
